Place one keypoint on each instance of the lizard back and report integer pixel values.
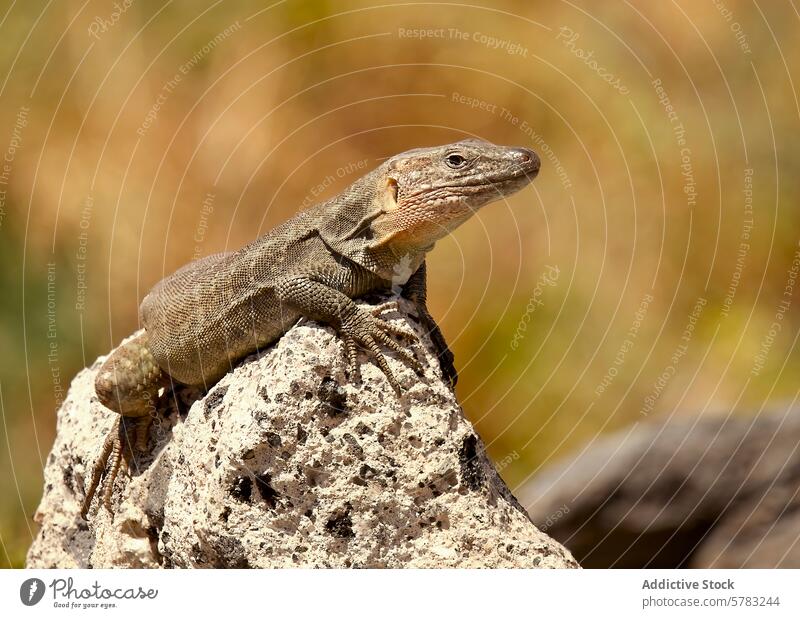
(214, 311)
(210, 313)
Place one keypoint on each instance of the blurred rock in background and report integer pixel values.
(718, 492)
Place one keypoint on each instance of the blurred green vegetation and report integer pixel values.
(297, 91)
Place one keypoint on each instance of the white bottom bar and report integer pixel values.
(395, 593)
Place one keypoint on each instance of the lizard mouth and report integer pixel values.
(505, 183)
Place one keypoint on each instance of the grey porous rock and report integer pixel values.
(286, 463)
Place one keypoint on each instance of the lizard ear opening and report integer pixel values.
(388, 205)
(390, 196)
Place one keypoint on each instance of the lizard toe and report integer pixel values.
(113, 470)
(351, 354)
(397, 331)
(403, 353)
(385, 307)
(98, 469)
(369, 332)
(383, 364)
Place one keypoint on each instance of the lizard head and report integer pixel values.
(428, 192)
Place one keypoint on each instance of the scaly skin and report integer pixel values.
(374, 236)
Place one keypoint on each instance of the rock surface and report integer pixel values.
(284, 463)
(711, 492)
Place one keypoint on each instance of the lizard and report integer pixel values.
(374, 236)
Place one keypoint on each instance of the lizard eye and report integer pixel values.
(455, 161)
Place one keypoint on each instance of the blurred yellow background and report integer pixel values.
(648, 271)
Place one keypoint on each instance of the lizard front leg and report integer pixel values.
(416, 290)
(357, 327)
(128, 383)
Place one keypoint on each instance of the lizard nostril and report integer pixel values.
(527, 158)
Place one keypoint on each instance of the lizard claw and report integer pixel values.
(364, 329)
(407, 356)
(112, 450)
(109, 462)
(386, 307)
